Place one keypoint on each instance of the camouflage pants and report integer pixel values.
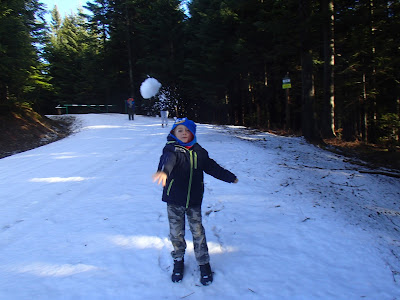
(176, 217)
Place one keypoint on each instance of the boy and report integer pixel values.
(180, 171)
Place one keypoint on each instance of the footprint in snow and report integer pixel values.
(6, 227)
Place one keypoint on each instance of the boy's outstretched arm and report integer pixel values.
(161, 177)
(215, 170)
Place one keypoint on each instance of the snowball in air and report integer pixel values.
(149, 88)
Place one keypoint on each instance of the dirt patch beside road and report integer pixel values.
(22, 129)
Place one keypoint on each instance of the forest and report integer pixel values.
(322, 69)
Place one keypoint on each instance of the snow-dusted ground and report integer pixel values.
(81, 219)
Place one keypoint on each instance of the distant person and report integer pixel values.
(131, 108)
(164, 115)
(163, 104)
(181, 171)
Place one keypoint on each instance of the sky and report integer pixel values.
(65, 7)
(81, 218)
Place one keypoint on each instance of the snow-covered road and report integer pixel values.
(81, 219)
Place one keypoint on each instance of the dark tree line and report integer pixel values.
(224, 60)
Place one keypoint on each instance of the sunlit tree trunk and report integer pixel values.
(328, 115)
(363, 112)
(372, 137)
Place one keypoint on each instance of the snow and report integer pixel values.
(82, 219)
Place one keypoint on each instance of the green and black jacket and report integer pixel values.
(185, 169)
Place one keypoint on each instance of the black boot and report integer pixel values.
(177, 273)
(206, 274)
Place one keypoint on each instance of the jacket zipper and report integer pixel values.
(170, 186)
(193, 165)
(190, 178)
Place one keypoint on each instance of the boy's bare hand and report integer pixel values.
(161, 177)
(236, 180)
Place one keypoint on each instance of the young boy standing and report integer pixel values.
(181, 172)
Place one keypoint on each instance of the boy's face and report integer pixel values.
(183, 133)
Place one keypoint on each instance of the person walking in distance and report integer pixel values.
(131, 108)
(164, 117)
(163, 102)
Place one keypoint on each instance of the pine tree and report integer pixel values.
(19, 30)
(73, 54)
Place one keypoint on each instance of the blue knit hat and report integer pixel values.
(190, 125)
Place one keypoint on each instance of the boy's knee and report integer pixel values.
(197, 230)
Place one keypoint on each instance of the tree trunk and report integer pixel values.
(307, 96)
(363, 111)
(129, 48)
(287, 111)
(308, 93)
(372, 134)
(398, 115)
(328, 114)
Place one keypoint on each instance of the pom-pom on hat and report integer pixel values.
(186, 122)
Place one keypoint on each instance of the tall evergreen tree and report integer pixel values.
(143, 38)
(72, 53)
(21, 25)
(209, 65)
